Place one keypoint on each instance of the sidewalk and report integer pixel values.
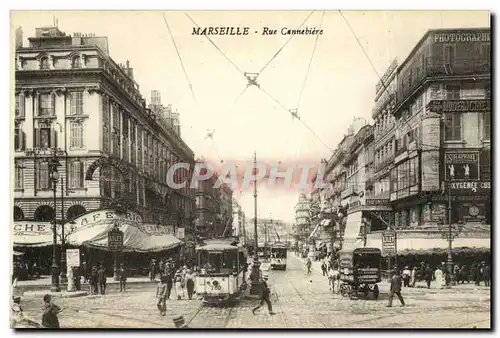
(44, 282)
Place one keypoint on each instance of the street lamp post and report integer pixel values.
(63, 278)
(255, 275)
(55, 287)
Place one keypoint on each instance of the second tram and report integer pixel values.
(278, 256)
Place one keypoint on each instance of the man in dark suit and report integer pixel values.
(396, 282)
(101, 279)
(264, 297)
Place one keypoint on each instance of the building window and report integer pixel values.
(46, 104)
(487, 125)
(448, 55)
(45, 137)
(76, 174)
(19, 176)
(43, 176)
(394, 179)
(76, 62)
(76, 135)
(76, 100)
(20, 103)
(74, 211)
(453, 127)
(44, 213)
(452, 92)
(44, 63)
(18, 213)
(19, 138)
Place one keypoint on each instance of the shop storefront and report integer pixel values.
(89, 232)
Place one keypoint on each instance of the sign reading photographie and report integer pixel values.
(463, 165)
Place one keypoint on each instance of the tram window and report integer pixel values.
(278, 253)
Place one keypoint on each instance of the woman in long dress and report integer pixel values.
(439, 277)
(413, 277)
(178, 284)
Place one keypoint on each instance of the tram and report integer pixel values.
(222, 271)
(278, 256)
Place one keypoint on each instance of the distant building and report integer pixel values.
(239, 222)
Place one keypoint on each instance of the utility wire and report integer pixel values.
(279, 50)
(216, 47)
(310, 61)
(376, 72)
(303, 122)
(180, 58)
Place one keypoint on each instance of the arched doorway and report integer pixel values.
(74, 211)
(44, 213)
(18, 213)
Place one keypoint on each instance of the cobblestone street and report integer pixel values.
(299, 301)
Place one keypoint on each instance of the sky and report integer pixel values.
(340, 83)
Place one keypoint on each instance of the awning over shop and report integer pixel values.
(92, 229)
(32, 233)
(423, 246)
(351, 234)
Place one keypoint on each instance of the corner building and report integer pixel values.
(442, 137)
(71, 96)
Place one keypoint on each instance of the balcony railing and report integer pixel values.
(384, 163)
(438, 67)
(401, 150)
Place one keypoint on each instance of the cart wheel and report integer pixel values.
(375, 291)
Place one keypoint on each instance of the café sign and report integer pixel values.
(462, 106)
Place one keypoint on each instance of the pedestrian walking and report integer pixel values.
(396, 282)
(161, 295)
(406, 276)
(439, 277)
(169, 277)
(101, 279)
(50, 312)
(179, 291)
(152, 270)
(478, 274)
(413, 277)
(122, 275)
(265, 294)
(486, 274)
(190, 283)
(428, 274)
(93, 280)
(85, 271)
(323, 268)
(308, 265)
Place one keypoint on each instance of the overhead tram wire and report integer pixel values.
(244, 74)
(291, 37)
(302, 121)
(180, 59)
(216, 47)
(375, 70)
(310, 62)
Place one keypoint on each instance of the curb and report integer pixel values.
(56, 294)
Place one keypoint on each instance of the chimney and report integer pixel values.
(19, 37)
(128, 64)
